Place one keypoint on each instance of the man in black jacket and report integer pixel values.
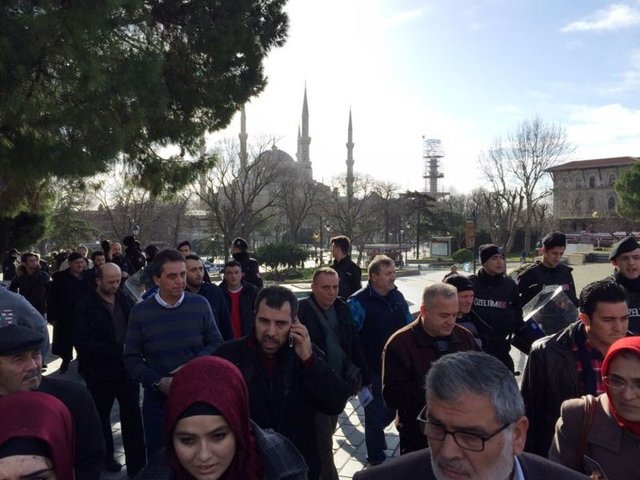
(287, 379)
(240, 297)
(20, 371)
(250, 266)
(550, 272)
(31, 282)
(99, 327)
(497, 303)
(567, 364)
(625, 257)
(331, 328)
(67, 288)
(349, 273)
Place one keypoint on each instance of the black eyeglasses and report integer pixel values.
(469, 441)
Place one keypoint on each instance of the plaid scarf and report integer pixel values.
(588, 364)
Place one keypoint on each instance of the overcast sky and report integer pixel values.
(463, 71)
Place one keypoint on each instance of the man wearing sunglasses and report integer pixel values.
(475, 425)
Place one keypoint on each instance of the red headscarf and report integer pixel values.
(40, 416)
(217, 382)
(629, 344)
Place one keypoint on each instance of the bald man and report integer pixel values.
(100, 324)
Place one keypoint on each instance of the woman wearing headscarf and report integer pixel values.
(603, 434)
(210, 434)
(36, 437)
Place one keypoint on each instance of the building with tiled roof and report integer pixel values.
(583, 193)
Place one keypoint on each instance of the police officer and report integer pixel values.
(550, 272)
(250, 266)
(625, 257)
(497, 303)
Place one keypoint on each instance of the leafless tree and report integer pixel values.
(298, 199)
(241, 199)
(516, 164)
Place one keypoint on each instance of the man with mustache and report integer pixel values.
(475, 425)
(20, 371)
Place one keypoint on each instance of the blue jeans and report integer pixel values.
(155, 435)
(377, 417)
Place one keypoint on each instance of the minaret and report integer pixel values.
(350, 160)
(244, 156)
(303, 142)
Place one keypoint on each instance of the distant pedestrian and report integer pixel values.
(31, 282)
(250, 266)
(349, 272)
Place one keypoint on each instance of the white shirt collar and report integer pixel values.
(168, 305)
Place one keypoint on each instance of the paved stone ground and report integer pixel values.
(348, 441)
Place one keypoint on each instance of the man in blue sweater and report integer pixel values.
(164, 332)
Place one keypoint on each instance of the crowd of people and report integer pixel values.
(244, 381)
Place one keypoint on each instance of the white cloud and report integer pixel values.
(401, 18)
(614, 17)
(509, 109)
(628, 80)
(604, 131)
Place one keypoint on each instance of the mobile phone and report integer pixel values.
(293, 320)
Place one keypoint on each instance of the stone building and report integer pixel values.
(584, 198)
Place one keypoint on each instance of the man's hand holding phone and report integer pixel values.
(299, 339)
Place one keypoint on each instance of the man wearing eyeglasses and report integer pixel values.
(475, 425)
(567, 364)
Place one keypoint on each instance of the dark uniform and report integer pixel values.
(537, 276)
(633, 300)
(497, 303)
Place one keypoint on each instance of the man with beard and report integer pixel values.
(287, 378)
(250, 266)
(213, 294)
(20, 371)
(99, 327)
(625, 257)
(475, 426)
(67, 288)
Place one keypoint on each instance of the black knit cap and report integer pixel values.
(488, 250)
(554, 239)
(625, 245)
(461, 282)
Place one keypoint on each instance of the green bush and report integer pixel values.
(463, 255)
(277, 256)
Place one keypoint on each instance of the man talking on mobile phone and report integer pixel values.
(287, 377)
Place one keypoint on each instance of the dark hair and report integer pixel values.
(606, 291)
(276, 296)
(106, 247)
(193, 256)
(151, 251)
(343, 242)
(232, 263)
(185, 243)
(165, 256)
(97, 253)
(129, 241)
